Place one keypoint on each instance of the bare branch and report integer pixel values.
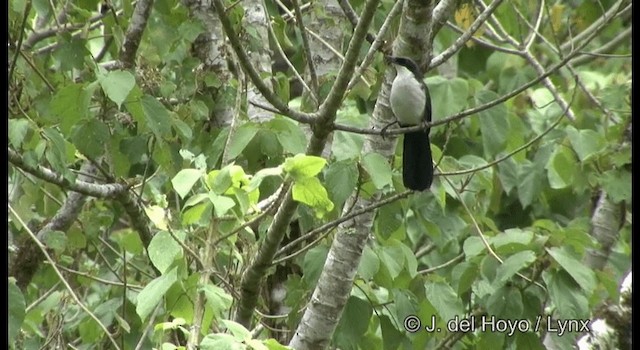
(250, 70)
(137, 25)
(451, 50)
(86, 188)
(305, 46)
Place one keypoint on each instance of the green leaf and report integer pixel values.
(585, 142)
(561, 168)
(237, 330)
(313, 263)
(391, 336)
(341, 179)
(449, 96)
(71, 52)
(184, 181)
(289, 134)
(164, 250)
(444, 299)
(90, 137)
(494, 124)
(505, 303)
(353, 324)
(511, 266)
(508, 174)
(221, 204)
(16, 309)
(156, 116)
(70, 104)
(472, 246)
(463, 275)
(129, 240)
(530, 183)
(369, 264)
(217, 299)
(240, 139)
(117, 85)
(570, 301)
(617, 184)
(303, 166)
(584, 276)
(153, 293)
(378, 168)
(257, 178)
(311, 192)
(346, 145)
(56, 240)
(18, 129)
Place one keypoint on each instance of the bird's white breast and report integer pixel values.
(407, 98)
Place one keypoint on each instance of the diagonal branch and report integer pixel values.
(84, 187)
(250, 70)
(132, 38)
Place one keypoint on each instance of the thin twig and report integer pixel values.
(43, 249)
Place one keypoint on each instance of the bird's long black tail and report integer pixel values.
(417, 165)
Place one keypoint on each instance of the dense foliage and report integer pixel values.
(143, 190)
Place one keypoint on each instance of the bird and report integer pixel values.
(410, 103)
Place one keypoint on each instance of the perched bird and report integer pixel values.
(411, 105)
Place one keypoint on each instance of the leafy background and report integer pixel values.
(166, 245)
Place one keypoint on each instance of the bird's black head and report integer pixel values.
(406, 62)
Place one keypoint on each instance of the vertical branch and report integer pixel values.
(132, 38)
(307, 49)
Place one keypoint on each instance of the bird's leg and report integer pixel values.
(384, 129)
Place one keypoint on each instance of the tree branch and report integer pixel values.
(86, 188)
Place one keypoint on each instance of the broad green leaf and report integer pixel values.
(129, 240)
(508, 174)
(530, 183)
(184, 181)
(257, 178)
(153, 293)
(463, 275)
(568, 298)
(90, 137)
(378, 168)
(561, 168)
(117, 85)
(18, 129)
(198, 214)
(511, 266)
(369, 264)
(56, 152)
(16, 309)
(354, 323)
(617, 184)
(56, 240)
(512, 241)
(303, 166)
(289, 134)
(341, 179)
(391, 336)
(240, 139)
(472, 246)
(505, 303)
(585, 142)
(584, 276)
(71, 52)
(311, 192)
(448, 96)
(444, 299)
(346, 145)
(392, 257)
(221, 341)
(217, 299)
(528, 341)
(164, 249)
(494, 124)
(156, 116)
(273, 344)
(70, 104)
(313, 263)
(221, 204)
